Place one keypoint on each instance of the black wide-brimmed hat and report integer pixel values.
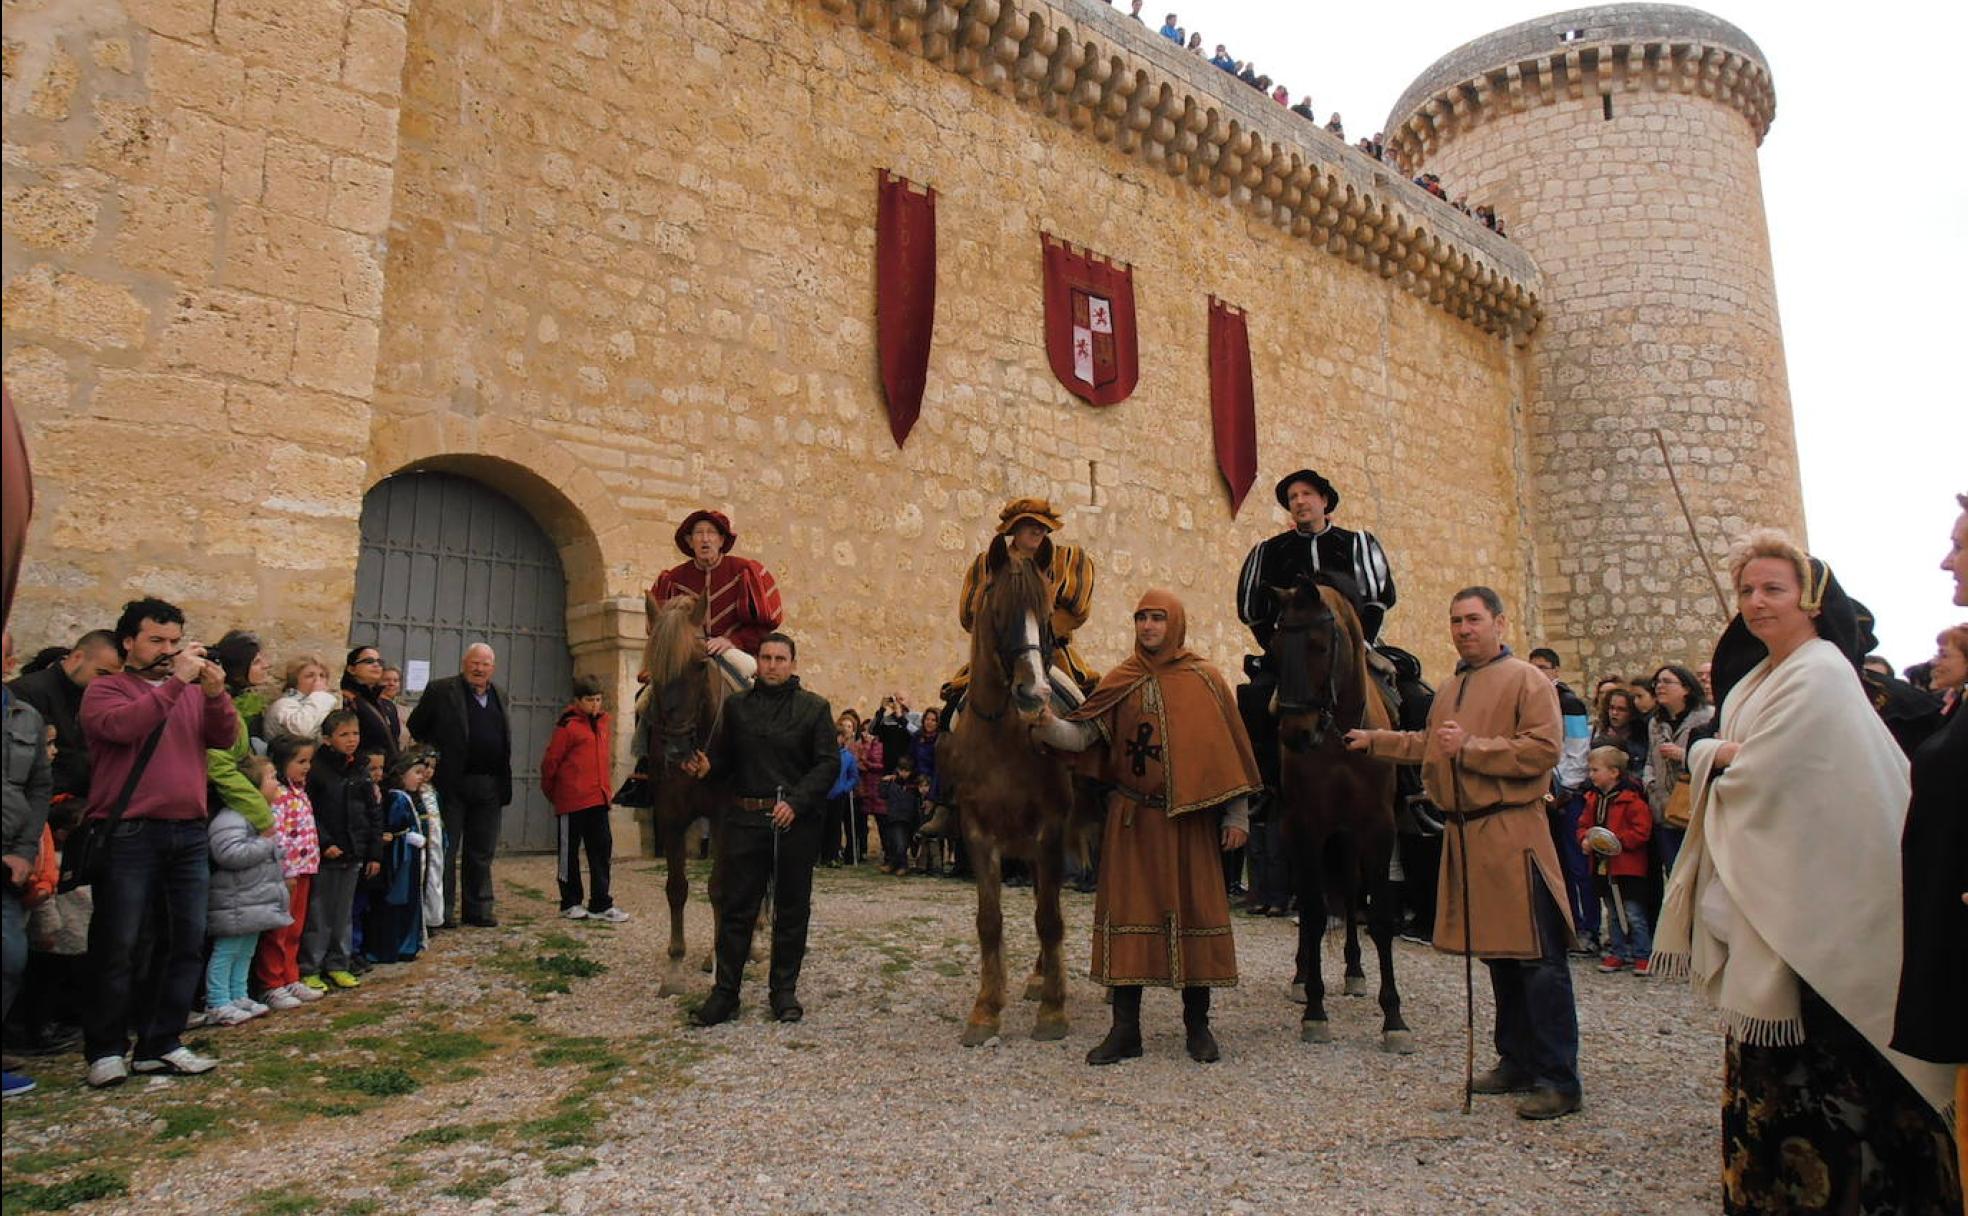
(1311, 478)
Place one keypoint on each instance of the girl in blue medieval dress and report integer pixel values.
(393, 931)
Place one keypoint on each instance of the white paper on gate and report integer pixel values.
(1083, 354)
(416, 675)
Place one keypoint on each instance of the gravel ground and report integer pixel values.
(870, 1105)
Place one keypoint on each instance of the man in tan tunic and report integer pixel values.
(1493, 738)
(1181, 770)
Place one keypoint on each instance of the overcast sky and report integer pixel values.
(1865, 178)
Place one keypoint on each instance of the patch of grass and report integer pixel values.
(21, 1164)
(304, 1040)
(477, 1184)
(440, 1046)
(574, 1124)
(405, 1176)
(451, 1133)
(525, 892)
(180, 1122)
(279, 1201)
(524, 1019)
(59, 1196)
(591, 1051)
(379, 1081)
(570, 965)
(561, 941)
(561, 1169)
(368, 1016)
(547, 973)
(945, 967)
(361, 1207)
(333, 1110)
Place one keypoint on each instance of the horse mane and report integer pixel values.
(1341, 606)
(672, 653)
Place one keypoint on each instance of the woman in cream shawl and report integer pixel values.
(1784, 909)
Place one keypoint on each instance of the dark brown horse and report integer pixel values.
(1338, 806)
(1015, 798)
(677, 712)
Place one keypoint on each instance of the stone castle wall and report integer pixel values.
(1660, 309)
(196, 203)
(616, 261)
(633, 250)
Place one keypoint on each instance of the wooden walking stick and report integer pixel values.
(1694, 536)
(1468, 970)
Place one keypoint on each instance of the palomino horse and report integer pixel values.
(1015, 798)
(678, 710)
(1338, 806)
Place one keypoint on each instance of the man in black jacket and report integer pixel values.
(56, 693)
(464, 718)
(775, 753)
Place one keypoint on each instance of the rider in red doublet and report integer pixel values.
(742, 601)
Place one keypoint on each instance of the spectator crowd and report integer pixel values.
(1372, 147)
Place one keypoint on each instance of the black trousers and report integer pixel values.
(471, 814)
(585, 829)
(1536, 1017)
(748, 861)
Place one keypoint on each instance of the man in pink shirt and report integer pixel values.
(169, 700)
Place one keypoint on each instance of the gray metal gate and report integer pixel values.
(447, 561)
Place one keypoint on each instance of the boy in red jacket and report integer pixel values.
(574, 773)
(1615, 803)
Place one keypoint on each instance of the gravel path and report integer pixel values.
(870, 1105)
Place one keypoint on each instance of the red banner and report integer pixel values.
(1233, 407)
(1089, 323)
(905, 296)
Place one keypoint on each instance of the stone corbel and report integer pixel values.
(974, 30)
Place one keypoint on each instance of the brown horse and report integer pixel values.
(677, 711)
(1015, 798)
(1338, 806)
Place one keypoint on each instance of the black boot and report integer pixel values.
(1199, 1042)
(733, 946)
(788, 954)
(1123, 1042)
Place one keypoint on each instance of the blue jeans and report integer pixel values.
(13, 947)
(1536, 1017)
(1636, 941)
(1577, 867)
(147, 938)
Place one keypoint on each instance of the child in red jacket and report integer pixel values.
(574, 775)
(1619, 855)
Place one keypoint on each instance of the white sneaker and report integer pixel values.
(225, 1015)
(613, 916)
(180, 1062)
(577, 912)
(302, 993)
(280, 998)
(197, 1018)
(252, 1007)
(108, 1071)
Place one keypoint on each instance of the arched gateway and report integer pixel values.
(447, 561)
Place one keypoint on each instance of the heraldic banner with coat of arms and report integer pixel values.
(1089, 323)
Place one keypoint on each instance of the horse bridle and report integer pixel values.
(1327, 707)
(1007, 658)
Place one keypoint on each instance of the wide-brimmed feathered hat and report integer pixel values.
(1311, 478)
(1019, 510)
(696, 517)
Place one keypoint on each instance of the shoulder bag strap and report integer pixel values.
(137, 772)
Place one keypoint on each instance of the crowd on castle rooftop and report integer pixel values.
(1373, 147)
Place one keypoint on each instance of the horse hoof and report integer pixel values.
(1314, 1032)
(1398, 1042)
(1298, 994)
(1356, 985)
(1045, 1030)
(669, 987)
(977, 1034)
(1034, 987)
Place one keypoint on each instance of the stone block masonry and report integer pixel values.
(196, 197)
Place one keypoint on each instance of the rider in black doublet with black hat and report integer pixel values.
(1314, 545)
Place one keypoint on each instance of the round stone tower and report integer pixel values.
(1618, 146)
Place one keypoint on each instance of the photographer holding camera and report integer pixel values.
(148, 732)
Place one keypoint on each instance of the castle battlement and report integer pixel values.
(1098, 71)
(1588, 52)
